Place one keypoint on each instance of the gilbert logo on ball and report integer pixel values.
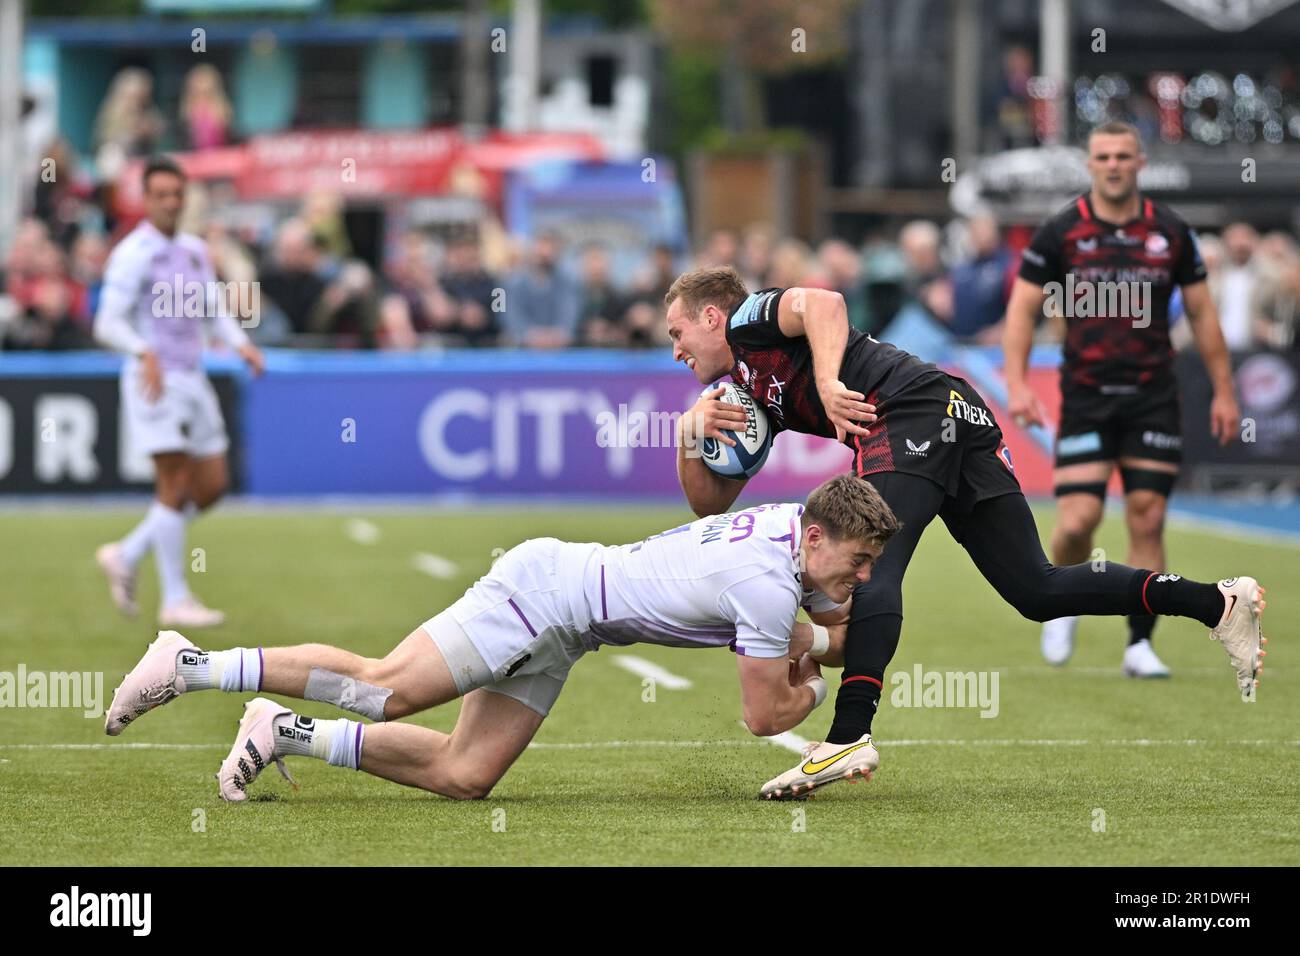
(752, 445)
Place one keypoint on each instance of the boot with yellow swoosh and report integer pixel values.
(822, 764)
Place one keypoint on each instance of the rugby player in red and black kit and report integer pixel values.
(1117, 256)
(930, 446)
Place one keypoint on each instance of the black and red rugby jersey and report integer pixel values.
(1076, 249)
(778, 370)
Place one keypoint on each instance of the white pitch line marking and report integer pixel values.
(535, 745)
(1059, 742)
(361, 531)
(1234, 530)
(1043, 669)
(146, 746)
(644, 668)
(787, 740)
(625, 744)
(434, 565)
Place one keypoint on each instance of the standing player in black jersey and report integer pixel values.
(1120, 403)
(930, 446)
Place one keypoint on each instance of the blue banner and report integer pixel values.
(505, 424)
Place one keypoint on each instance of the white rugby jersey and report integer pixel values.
(148, 279)
(727, 580)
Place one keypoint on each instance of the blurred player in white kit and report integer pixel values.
(171, 409)
(733, 580)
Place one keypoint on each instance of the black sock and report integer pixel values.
(1171, 594)
(855, 706)
(1140, 627)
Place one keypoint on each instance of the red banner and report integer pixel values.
(353, 162)
(367, 163)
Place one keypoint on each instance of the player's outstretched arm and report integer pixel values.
(777, 694)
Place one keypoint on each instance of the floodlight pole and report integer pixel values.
(965, 79)
(524, 44)
(475, 73)
(1054, 61)
(11, 121)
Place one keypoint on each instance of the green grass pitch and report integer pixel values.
(1080, 765)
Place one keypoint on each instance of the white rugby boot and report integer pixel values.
(254, 748)
(1140, 660)
(1058, 640)
(824, 763)
(151, 683)
(1239, 631)
(190, 613)
(121, 577)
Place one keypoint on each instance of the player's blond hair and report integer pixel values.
(851, 509)
(716, 285)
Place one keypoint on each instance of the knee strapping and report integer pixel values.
(1146, 479)
(1095, 488)
(347, 692)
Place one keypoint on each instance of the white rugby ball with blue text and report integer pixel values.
(746, 457)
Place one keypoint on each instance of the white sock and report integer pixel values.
(235, 671)
(169, 554)
(136, 544)
(337, 742)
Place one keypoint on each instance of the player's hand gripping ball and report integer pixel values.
(746, 457)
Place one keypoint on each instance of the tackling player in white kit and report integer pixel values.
(734, 580)
(171, 409)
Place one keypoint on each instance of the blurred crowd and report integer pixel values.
(1255, 281)
(473, 288)
(469, 287)
(960, 276)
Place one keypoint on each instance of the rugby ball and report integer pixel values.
(746, 457)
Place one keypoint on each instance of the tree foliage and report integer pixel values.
(759, 34)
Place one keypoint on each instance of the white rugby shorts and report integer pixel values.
(186, 416)
(510, 633)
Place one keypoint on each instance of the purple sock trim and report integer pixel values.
(241, 670)
(361, 729)
(261, 668)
